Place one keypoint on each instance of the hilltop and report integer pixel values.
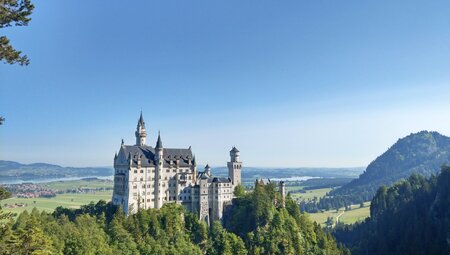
(423, 153)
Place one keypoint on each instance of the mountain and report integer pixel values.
(10, 170)
(423, 153)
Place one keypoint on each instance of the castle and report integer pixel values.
(149, 177)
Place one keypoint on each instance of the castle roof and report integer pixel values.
(234, 149)
(159, 142)
(147, 155)
(141, 120)
(219, 180)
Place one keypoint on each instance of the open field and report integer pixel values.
(309, 194)
(63, 185)
(69, 200)
(348, 217)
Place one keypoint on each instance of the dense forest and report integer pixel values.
(255, 224)
(410, 217)
(422, 153)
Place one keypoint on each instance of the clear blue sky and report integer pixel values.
(290, 83)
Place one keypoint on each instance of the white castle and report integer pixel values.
(147, 177)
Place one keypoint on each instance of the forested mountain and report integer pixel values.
(103, 229)
(423, 153)
(411, 217)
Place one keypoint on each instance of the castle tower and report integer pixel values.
(159, 160)
(283, 193)
(208, 170)
(234, 166)
(140, 133)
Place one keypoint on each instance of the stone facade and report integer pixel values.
(148, 177)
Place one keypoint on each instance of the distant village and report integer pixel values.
(33, 190)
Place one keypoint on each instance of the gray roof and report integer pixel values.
(220, 180)
(147, 154)
(234, 149)
(159, 142)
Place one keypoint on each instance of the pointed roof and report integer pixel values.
(234, 149)
(141, 120)
(159, 142)
(207, 166)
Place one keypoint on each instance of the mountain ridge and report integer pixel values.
(423, 153)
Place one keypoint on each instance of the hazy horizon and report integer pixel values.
(291, 84)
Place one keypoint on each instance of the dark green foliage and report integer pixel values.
(13, 13)
(4, 194)
(102, 228)
(266, 228)
(410, 217)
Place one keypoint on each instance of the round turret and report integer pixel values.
(235, 154)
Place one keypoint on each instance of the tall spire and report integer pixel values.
(140, 133)
(159, 142)
(141, 120)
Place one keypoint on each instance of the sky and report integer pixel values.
(289, 83)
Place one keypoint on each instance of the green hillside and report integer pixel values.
(423, 153)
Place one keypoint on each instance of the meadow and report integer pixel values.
(69, 200)
(310, 194)
(350, 216)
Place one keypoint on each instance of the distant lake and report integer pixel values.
(12, 180)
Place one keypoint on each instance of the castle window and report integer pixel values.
(135, 171)
(135, 187)
(142, 171)
(141, 179)
(148, 200)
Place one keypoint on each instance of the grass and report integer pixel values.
(294, 188)
(63, 185)
(348, 217)
(69, 200)
(311, 194)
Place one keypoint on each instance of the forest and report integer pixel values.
(255, 224)
(410, 217)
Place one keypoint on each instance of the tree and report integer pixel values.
(13, 13)
(239, 191)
